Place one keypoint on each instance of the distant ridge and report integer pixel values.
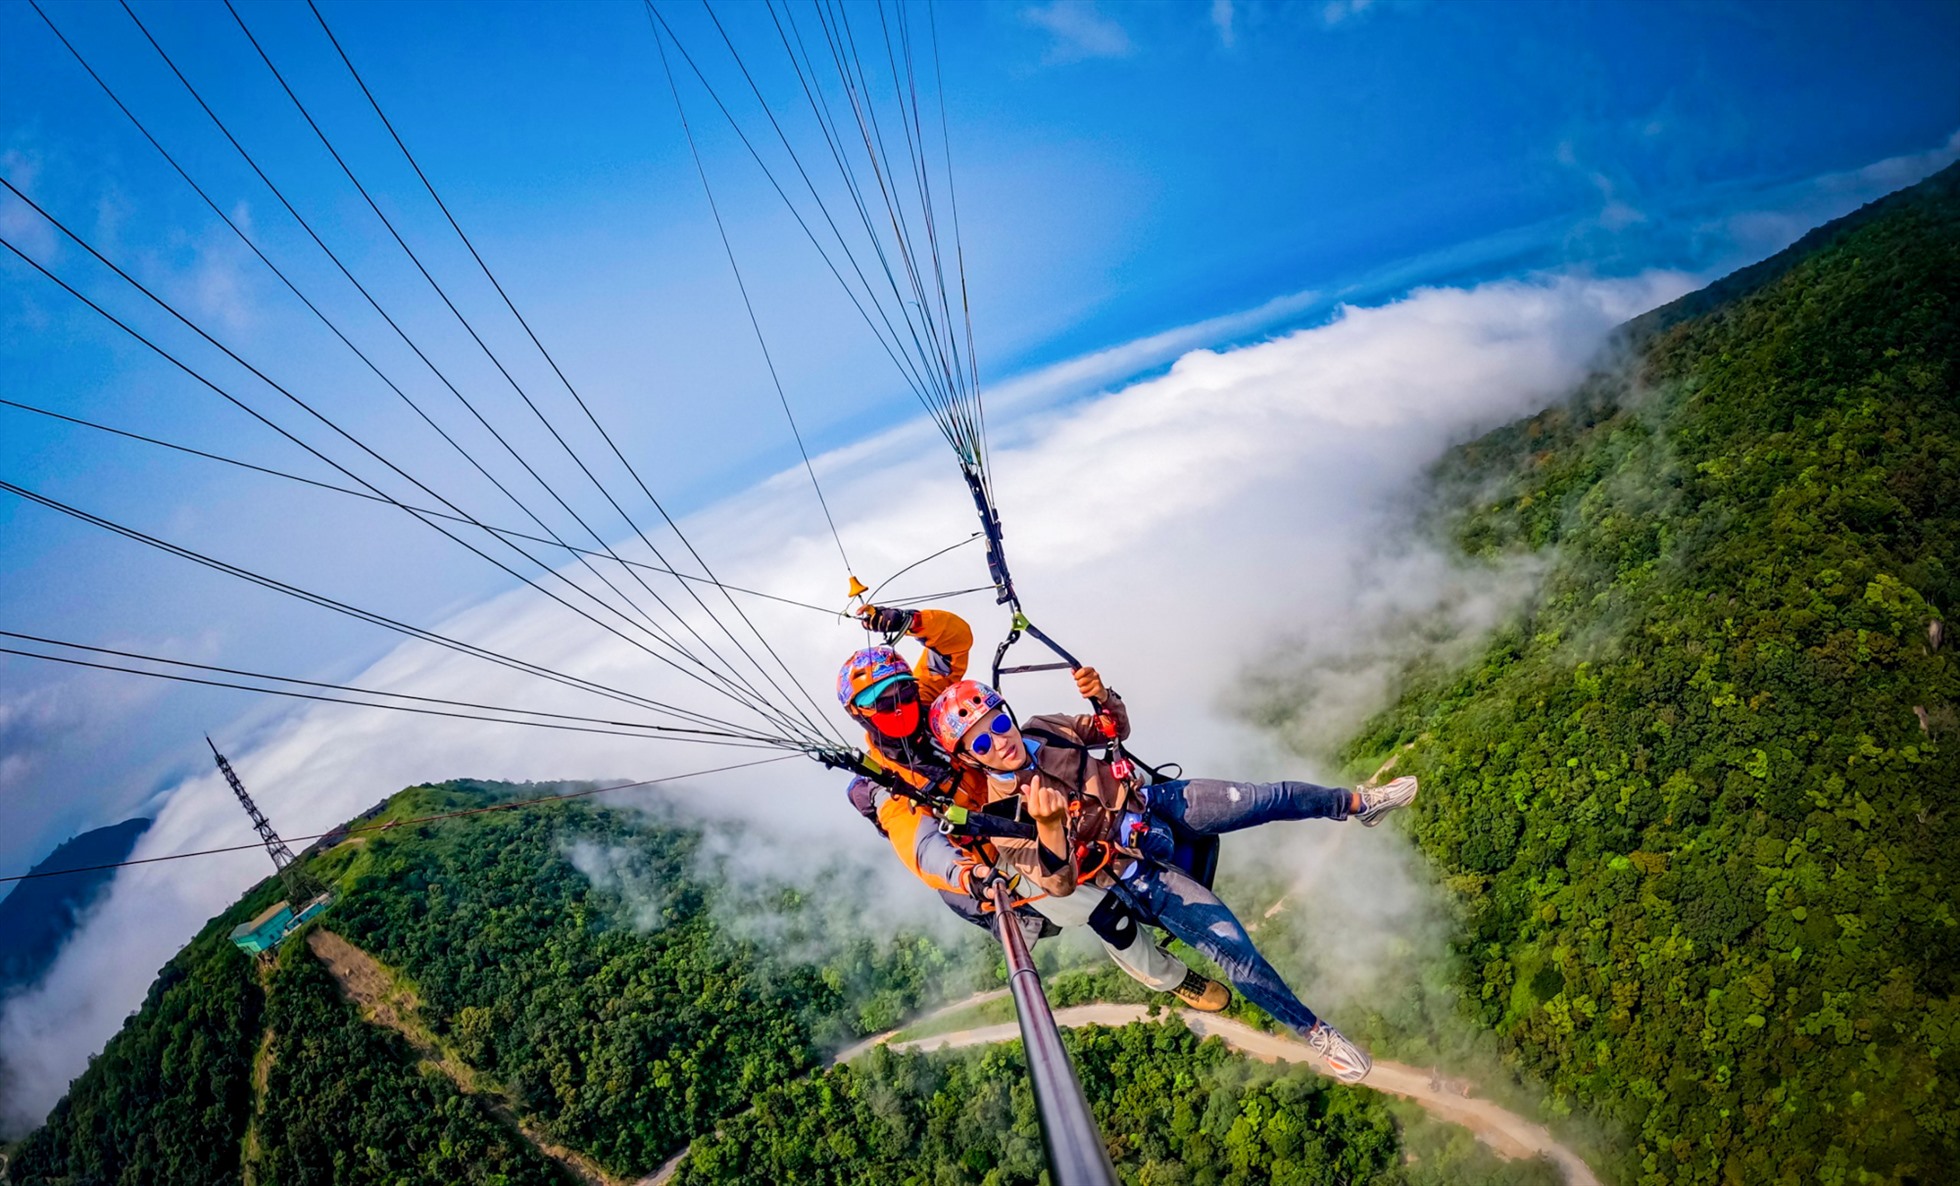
(1941, 186)
(39, 915)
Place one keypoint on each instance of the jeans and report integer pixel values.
(1185, 908)
(1147, 963)
(1194, 914)
(1208, 806)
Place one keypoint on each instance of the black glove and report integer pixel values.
(886, 620)
(864, 796)
(980, 882)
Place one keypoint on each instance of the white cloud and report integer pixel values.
(1078, 31)
(27, 230)
(1222, 19)
(1615, 212)
(1169, 532)
(1782, 216)
(1340, 12)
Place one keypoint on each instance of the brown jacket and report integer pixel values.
(1096, 796)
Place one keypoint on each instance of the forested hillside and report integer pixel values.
(1700, 807)
(1177, 1111)
(613, 1026)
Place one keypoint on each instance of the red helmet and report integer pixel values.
(954, 712)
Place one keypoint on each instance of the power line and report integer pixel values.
(392, 824)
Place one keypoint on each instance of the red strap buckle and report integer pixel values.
(1121, 769)
(1107, 724)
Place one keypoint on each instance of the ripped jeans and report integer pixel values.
(1208, 806)
(1185, 908)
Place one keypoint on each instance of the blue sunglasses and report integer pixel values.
(997, 727)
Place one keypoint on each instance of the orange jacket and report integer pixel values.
(912, 829)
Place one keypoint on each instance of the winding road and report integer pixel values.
(1508, 1134)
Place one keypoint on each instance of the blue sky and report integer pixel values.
(1124, 170)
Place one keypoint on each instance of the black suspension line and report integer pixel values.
(959, 247)
(821, 722)
(362, 494)
(921, 388)
(864, 107)
(858, 92)
(931, 365)
(826, 123)
(234, 400)
(238, 231)
(873, 594)
(511, 716)
(741, 286)
(750, 698)
(371, 617)
(816, 726)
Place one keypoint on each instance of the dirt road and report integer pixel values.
(1508, 1134)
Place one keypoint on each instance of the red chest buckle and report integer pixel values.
(1121, 769)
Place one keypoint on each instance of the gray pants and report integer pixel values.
(1146, 963)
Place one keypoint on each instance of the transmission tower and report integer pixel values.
(299, 887)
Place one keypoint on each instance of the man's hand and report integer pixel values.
(884, 619)
(980, 882)
(1046, 803)
(1089, 683)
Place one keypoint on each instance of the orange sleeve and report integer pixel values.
(923, 848)
(948, 641)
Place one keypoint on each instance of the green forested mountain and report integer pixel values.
(1696, 811)
(1702, 807)
(613, 1033)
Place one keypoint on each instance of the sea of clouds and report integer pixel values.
(1177, 532)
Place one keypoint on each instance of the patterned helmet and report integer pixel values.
(866, 669)
(954, 712)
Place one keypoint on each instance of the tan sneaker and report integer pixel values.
(1202, 993)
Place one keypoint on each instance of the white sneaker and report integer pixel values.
(1348, 1062)
(1377, 802)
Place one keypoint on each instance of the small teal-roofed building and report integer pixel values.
(272, 925)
